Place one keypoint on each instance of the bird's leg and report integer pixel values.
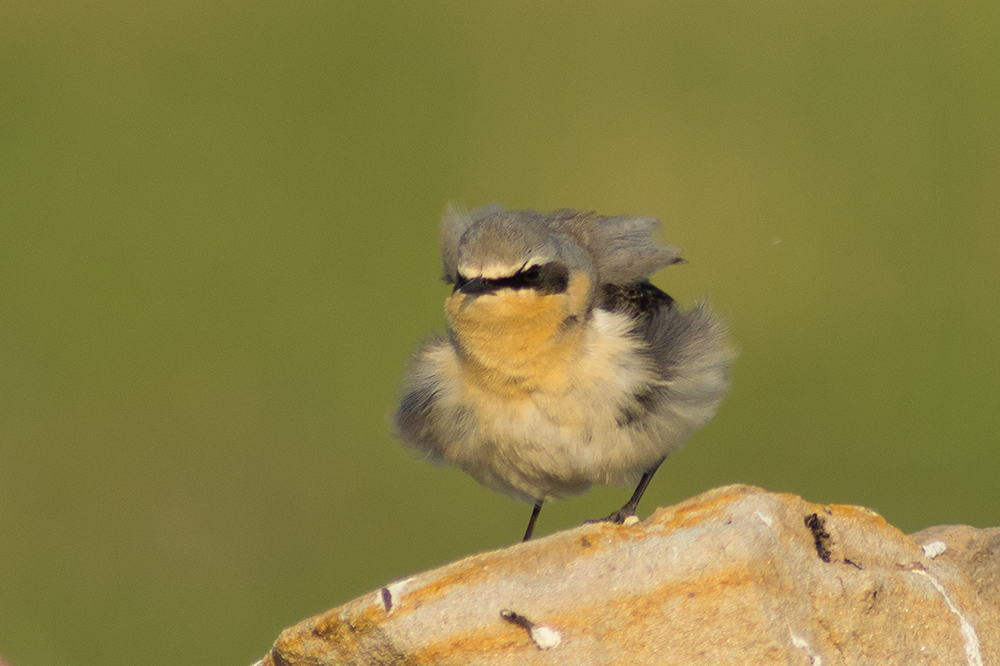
(534, 517)
(619, 516)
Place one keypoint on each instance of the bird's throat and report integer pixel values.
(514, 342)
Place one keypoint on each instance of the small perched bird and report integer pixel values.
(563, 365)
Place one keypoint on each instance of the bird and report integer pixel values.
(562, 366)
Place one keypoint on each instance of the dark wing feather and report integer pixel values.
(636, 298)
(689, 349)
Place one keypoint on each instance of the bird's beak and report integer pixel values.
(476, 286)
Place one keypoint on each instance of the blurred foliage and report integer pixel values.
(218, 232)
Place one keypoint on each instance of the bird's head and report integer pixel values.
(521, 292)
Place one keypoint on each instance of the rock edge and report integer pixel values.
(736, 575)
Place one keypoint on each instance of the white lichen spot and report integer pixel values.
(764, 518)
(544, 637)
(934, 548)
(630, 521)
(803, 644)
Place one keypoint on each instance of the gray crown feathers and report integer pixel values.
(622, 248)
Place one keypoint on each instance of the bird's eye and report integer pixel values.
(532, 274)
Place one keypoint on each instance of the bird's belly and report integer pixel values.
(522, 449)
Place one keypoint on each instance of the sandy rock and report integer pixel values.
(976, 553)
(734, 576)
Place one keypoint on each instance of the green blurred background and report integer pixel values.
(218, 246)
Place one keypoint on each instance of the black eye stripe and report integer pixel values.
(550, 278)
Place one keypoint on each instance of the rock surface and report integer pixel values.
(734, 576)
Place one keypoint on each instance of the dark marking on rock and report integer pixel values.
(816, 525)
(517, 618)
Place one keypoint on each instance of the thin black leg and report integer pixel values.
(621, 514)
(531, 523)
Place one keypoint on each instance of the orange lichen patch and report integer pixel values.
(603, 538)
(331, 626)
(600, 538)
(473, 644)
(858, 513)
(556, 551)
(855, 529)
(842, 511)
(317, 634)
(700, 510)
(456, 578)
(722, 583)
(635, 607)
(464, 575)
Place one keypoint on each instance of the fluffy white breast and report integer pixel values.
(559, 440)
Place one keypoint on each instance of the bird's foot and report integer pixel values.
(618, 517)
